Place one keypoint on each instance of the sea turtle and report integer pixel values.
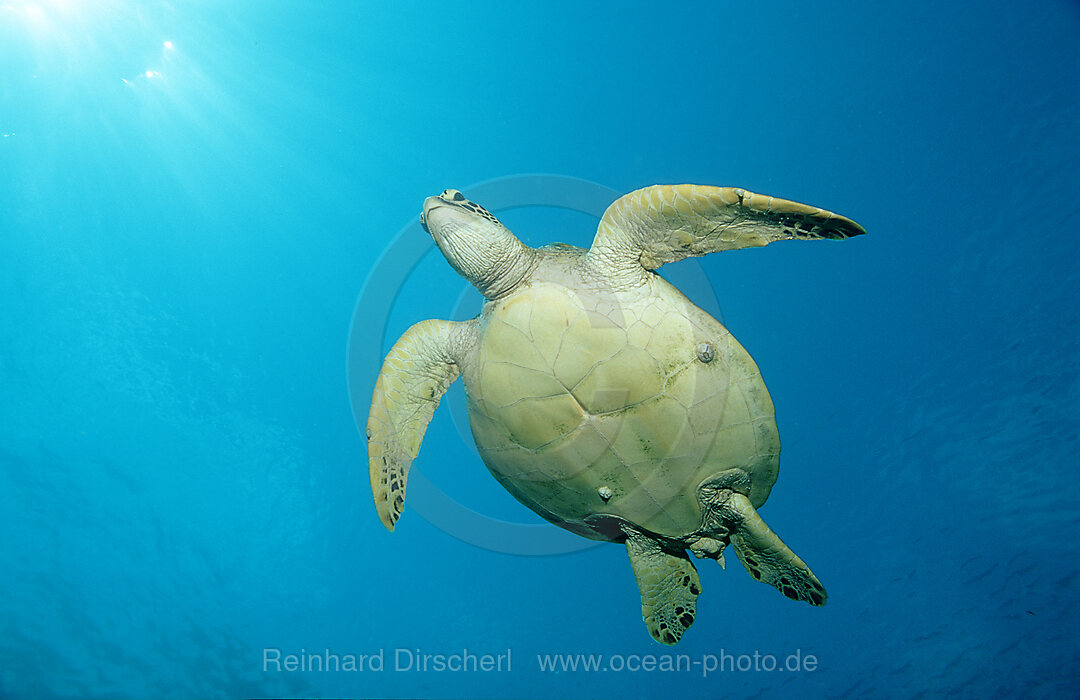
(601, 397)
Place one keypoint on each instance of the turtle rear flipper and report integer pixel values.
(669, 587)
(764, 555)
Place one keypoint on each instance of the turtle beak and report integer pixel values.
(429, 204)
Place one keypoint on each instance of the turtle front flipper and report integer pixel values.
(669, 586)
(666, 223)
(414, 377)
(764, 555)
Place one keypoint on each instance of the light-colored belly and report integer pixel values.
(586, 404)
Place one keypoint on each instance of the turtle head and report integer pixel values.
(476, 244)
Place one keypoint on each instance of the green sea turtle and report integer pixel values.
(600, 396)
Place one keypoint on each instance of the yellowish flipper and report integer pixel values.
(414, 377)
(669, 586)
(666, 223)
(765, 556)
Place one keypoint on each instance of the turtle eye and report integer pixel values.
(453, 196)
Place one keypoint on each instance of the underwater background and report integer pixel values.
(195, 203)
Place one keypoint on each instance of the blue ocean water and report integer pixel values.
(194, 196)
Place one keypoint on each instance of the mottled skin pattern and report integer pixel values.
(601, 397)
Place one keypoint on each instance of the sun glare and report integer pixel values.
(95, 32)
(41, 10)
(34, 13)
